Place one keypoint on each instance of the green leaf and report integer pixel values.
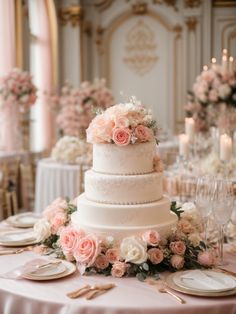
(145, 266)
(141, 276)
(175, 209)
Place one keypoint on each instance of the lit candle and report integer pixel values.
(205, 68)
(224, 63)
(190, 128)
(231, 65)
(225, 147)
(225, 52)
(213, 63)
(183, 145)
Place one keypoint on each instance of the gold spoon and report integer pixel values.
(166, 290)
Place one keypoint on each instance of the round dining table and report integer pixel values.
(129, 296)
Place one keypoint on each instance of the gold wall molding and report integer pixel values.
(170, 3)
(19, 33)
(103, 5)
(191, 23)
(189, 4)
(140, 8)
(140, 48)
(71, 14)
(225, 43)
(224, 3)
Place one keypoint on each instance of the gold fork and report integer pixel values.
(15, 251)
(90, 291)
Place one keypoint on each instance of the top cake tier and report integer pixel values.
(125, 160)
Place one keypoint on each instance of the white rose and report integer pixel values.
(194, 238)
(42, 230)
(133, 250)
(224, 91)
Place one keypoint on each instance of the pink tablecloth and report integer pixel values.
(130, 296)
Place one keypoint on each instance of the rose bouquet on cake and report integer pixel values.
(212, 100)
(78, 106)
(141, 255)
(72, 150)
(123, 124)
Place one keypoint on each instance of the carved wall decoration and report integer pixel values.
(191, 23)
(140, 8)
(192, 3)
(103, 5)
(72, 14)
(140, 48)
(171, 3)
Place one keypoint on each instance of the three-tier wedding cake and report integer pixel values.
(123, 190)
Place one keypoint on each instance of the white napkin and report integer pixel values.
(16, 237)
(207, 280)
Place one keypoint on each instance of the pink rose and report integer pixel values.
(185, 226)
(121, 137)
(69, 239)
(206, 258)
(155, 255)
(151, 237)
(178, 247)
(101, 262)
(58, 221)
(118, 269)
(113, 255)
(121, 122)
(143, 133)
(177, 261)
(87, 250)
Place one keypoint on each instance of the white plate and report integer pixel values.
(204, 281)
(51, 270)
(70, 268)
(17, 238)
(23, 220)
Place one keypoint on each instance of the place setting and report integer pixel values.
(17, 238)
(204, 283)
(23, 220)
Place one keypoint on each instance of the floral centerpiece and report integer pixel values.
(17, 95)
(77, 106)
(123, 124)
(213, 98)
(141, 255)
(72, 150)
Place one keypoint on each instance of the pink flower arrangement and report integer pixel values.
(77, 106)
(122, 124)
(214, 91)
(17, 88)
(142, 255)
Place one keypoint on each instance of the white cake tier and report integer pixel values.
(122, 215)
(118, 189)
(120, 221)
(130, 159)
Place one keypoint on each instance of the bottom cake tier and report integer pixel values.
(123, 220)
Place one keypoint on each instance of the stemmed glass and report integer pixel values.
(204, 194)
(223, 203)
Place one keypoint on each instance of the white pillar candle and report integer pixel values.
(231, 65)
(224, 63)
(190, 128)
(225, 147)
(213, 63)
(183, 145)
(205, 68)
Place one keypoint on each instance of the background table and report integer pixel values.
(129, 296)
(55, 180)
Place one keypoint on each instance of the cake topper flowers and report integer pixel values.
(123, 124)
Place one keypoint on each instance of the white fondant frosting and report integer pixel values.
(120, 189)
(125, 160)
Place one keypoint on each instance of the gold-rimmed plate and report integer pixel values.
(17, 238)
(171, 284)
(70, 268)
(23, 220)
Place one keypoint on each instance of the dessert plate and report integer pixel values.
(23, 220)
(171, 279)
(64, 269)
(17, 238)
(204, 280)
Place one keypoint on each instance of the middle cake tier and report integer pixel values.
(124, 190)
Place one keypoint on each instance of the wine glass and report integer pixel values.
(223, 204)
(204, 194)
